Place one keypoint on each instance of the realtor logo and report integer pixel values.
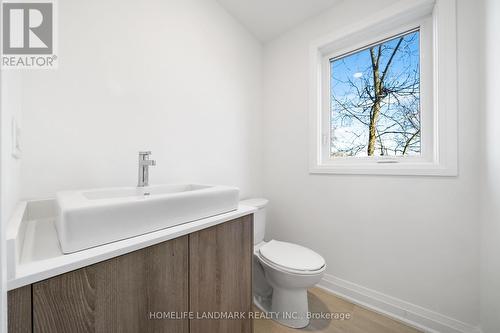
(28, 35)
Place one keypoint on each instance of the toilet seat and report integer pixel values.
(291, 257)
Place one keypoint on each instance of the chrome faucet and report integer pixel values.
(144, 163)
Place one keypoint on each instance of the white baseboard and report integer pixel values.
(413, 315)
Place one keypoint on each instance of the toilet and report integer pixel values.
(282, 272)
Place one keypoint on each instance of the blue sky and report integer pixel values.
(352, 73)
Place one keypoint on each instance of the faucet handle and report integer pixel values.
(144, 155)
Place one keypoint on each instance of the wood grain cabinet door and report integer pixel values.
(220, 275)
(19, 310)
(129, 293)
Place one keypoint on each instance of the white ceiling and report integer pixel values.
(267, 19)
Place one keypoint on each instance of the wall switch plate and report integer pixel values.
(16, 140)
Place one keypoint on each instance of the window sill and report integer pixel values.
(388, 169)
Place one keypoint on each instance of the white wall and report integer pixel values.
(183, 79)
(413, 238)
(10, 98)
(178, 77)
(11, 109)
(490, 208)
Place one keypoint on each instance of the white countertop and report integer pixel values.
(40, 256)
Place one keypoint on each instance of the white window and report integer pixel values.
(383, 94)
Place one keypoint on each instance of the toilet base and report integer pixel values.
(287, 307)
(292, 306)
(263, 304)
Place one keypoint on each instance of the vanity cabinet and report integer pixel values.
(203, 272)
(220, 276)
(117, 295)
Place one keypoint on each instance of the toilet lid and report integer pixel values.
(292, 256)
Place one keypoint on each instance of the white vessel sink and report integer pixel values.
(91, 218)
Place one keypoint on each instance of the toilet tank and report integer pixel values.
(259, 217)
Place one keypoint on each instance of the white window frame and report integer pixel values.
(437, 23)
